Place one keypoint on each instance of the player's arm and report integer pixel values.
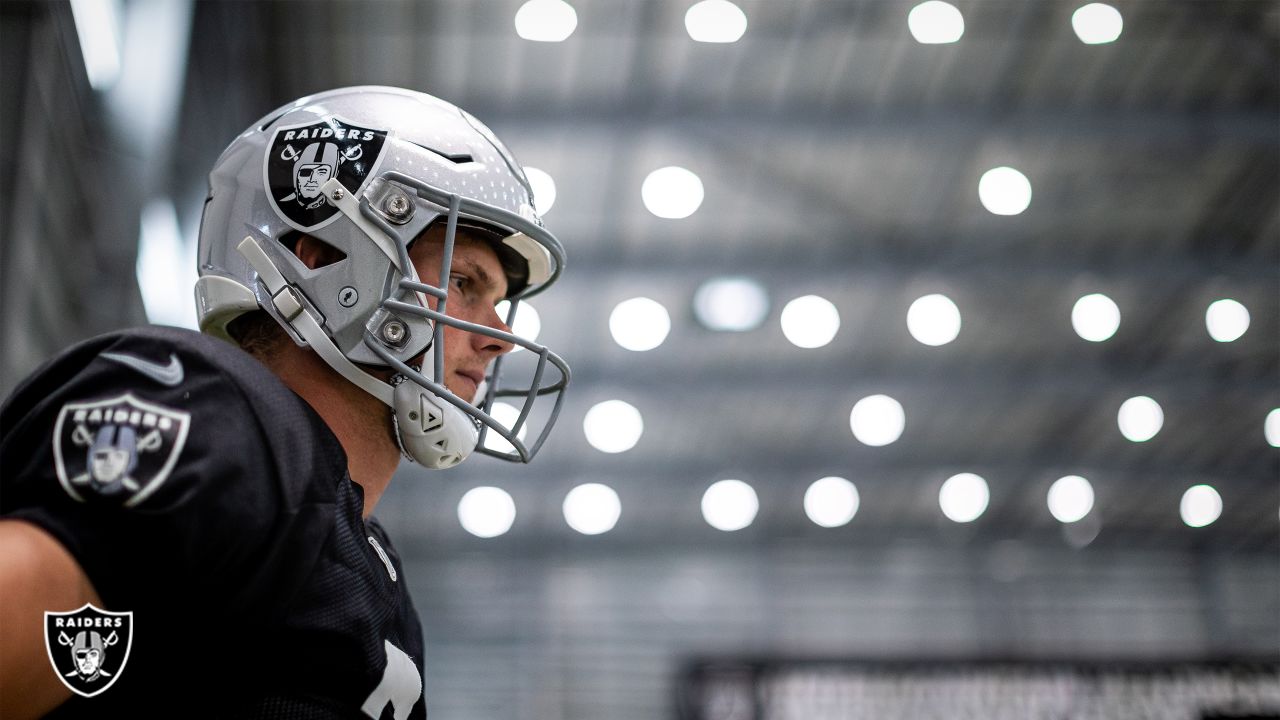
(37, 574)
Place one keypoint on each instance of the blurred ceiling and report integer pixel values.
(840, 158)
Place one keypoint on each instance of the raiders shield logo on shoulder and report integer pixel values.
(301, 158)
(88, 647)
(118, 450)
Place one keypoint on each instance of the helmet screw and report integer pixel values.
(337, 194)
(397, 206)
(393, 332)
(347, 296)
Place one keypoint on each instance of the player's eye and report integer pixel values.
(460, 282)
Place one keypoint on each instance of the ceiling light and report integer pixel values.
(1095, 317)
(877, 420)
(639, 324)
(934, 320)
(731, 304)
(1271, 428)
(730, 505)
(672, 192)
(1097, 23)
(527, 324)
(1004, 191)
(1070, 498)
(964, 497)
(592, 509)
(96, 27)
(613, 426)
(546, 20)
(810, 321)
(544, 189)
(715, 21)
(506, 415)
(1200, 506)
(935, 22)
(1226, 320)
(831, 502)
(486, 511)
(1140, 418)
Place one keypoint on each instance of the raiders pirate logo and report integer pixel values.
(301, 158)
(118, 450)
(88, 647)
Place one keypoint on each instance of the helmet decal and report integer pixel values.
(301, 158)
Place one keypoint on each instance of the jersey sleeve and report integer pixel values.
(151, 467)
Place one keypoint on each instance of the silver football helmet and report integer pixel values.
(366, 170)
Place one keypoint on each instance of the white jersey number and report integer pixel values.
(401, 686)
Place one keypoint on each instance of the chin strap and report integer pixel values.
(429, 431)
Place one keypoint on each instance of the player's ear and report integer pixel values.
(315, 253)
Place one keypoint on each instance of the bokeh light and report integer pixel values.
(1070, 498)
(1201, 505)
(715, 21)
(1004, 191)
(1226, 320)
(613, 426)
(935, 22)
(1140, 418)
(730, 505)
(831, 502)
(527, 325)
(544, 189)
(546, 20)
(592, 508)
(486, 511)
(1097, 23)
(933, 320)
(964, 497)
(731, 304)
(1095, 317)
(639, 324)
(672, 192)
(810, 321)
(506, 415)
(877, 420)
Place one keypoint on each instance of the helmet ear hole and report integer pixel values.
(312, 251)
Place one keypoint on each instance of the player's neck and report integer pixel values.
(359, 421)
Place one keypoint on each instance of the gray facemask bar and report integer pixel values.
(458, 206)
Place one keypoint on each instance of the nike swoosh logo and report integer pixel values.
(170, 374)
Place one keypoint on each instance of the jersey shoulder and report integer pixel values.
(160, 447)
(146, 416)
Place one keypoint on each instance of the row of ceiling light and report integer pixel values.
(616, 426)
(737, 304)
(731, 504)
(675, 193)
(720, 21)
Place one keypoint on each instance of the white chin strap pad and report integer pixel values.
(432, 432)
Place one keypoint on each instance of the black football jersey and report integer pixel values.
(206, 499)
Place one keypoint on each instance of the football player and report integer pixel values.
(219, 486)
